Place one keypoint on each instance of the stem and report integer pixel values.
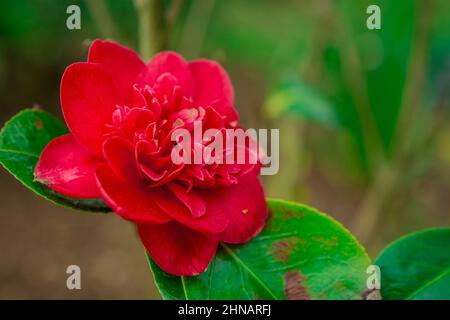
(195, 27)
(288, 181)
(368, 214)
(102, 18)
(153, 35)
(172, 16)
(174, 12)
(285, 184)
(312, 66)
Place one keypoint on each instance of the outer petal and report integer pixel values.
(190, 199)
(119, 153)
(88, 99)
(168, 62)
(130, 200)
(213, 88)
(245, 205)
(68, 168)
(177, 249)
(123, 64)
(212, 223)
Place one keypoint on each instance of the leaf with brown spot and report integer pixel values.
(39, 124)
(331, 242)
(283, 249)
(294, 288)
(268, 267)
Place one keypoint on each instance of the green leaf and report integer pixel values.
(22, 140)
(383, 60)
(295, 97)
(301, 254)
(417, 266)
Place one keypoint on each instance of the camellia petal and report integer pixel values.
(123, 64)
(88, 99)
(133, 202)
(245, 205)
(213, 88)
(212, 223)
(119, 154)
(68, 168)
(191, 199)
(172, 63)
(177, 249)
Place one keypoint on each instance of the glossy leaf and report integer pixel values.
(301, 254)
(417, 266)
(22, 140)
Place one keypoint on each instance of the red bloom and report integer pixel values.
(121, 113)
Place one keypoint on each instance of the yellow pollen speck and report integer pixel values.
(178, 123)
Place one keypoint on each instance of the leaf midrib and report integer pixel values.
(183, 284)
(240, 262)
(24, 153)
(428, 283)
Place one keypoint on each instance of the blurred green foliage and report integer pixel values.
(362, 109)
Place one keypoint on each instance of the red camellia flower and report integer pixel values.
(121, 113)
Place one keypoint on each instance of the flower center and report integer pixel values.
(148, 123)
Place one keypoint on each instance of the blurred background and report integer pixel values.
(363, 114)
